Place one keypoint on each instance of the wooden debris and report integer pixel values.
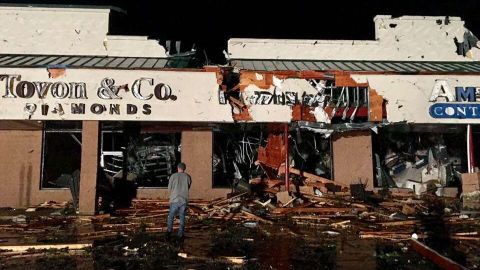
(435, 257)
(24, 248)
(310, 210)
(289, 202)
(408, 210)
(284, 197)
(388, 235)
(399, 223)
(228, 199)
(341, 224)
(255, 217)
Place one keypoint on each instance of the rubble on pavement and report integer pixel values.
(393, 216)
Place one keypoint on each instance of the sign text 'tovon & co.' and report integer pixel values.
(142, 89)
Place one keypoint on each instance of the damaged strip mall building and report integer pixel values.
(105, 119)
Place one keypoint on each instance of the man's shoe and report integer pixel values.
(168, 236)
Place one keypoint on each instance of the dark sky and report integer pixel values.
(210, 23)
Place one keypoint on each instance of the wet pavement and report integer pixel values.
(234, 246)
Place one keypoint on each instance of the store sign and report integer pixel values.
(111, 95)
(76, 92)
(463, 103)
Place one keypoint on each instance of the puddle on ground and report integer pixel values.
(263, 247)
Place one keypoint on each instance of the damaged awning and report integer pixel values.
(327, 130)
(358, 66)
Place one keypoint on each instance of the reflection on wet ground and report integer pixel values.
(233, 246)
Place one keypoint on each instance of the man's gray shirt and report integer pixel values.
(178, 186)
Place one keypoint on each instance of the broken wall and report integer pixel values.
(352, 158)
(20, 164)
(297, 96)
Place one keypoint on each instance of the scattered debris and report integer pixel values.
(244, 220)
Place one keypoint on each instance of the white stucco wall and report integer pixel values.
(134, 46)
(67, 31)
(408, 96)
(407, 38)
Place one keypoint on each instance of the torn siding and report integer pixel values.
(465, 48)
(268, 97)
(268, 102)
(297, 96)
(376, 106)
(56, 73)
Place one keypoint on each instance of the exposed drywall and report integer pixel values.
(298, 96)
(56, 73)
(89, 167)
(20, 167)
(376, 106)
(267, 97)
(406, 38)
(352, 158)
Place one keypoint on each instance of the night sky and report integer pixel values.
(210, 23)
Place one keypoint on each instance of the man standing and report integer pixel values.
(178, 186)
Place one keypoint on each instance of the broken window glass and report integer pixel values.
(112, 145)
(256, 151)
(61, 153)
(235, 150)
(411, 156)
(153, 157)
(311, 152)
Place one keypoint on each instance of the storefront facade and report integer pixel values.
(418, 89)
(77, 118)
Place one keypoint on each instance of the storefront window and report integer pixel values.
(143, 158)
(153, 157)
(236, 153)
(411, 156)
(61, 153)
(234, 156)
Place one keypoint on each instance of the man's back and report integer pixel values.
(178, 186)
